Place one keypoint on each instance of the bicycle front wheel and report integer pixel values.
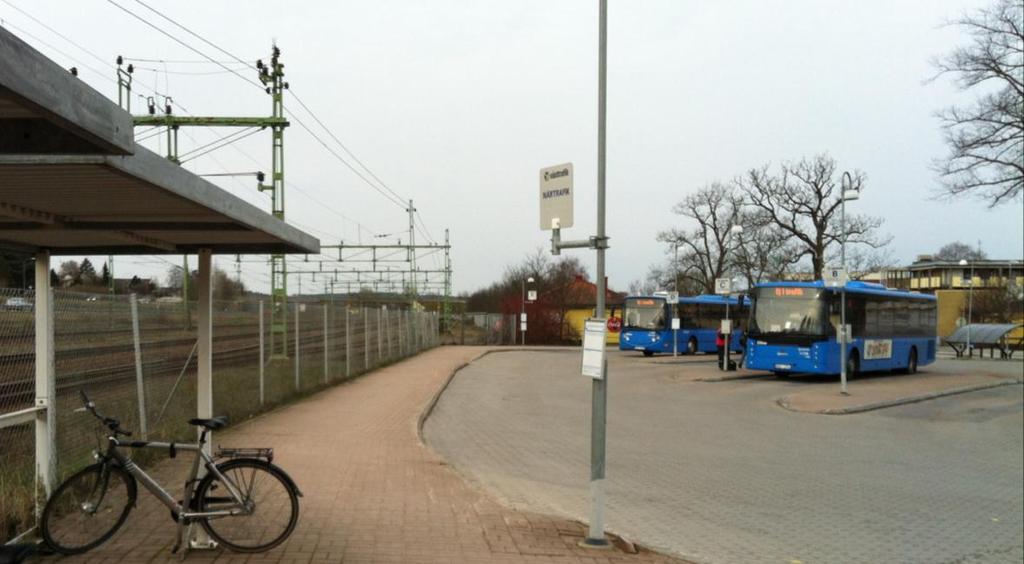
(270, 501)
(88, 508)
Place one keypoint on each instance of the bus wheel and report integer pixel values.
(648, 353)
(911, 362)
(691, 346)
(852, 364)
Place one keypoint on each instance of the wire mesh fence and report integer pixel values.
(481, 329)
(137, 360)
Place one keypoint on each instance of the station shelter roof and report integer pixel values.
(73, 181)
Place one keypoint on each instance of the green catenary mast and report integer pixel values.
(272, 77)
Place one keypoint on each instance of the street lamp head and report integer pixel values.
(850, 195)
(736, 229)
(530, 280)
(963, 262)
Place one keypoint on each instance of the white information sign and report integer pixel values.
(835, 277)
(675, 323)
(673, 298)
(556, 194)
(531, 295)
(726, 326)
(723, 286)
(594, 348)
(522, 326)
(522, 317)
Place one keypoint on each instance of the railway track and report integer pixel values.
(20, 393)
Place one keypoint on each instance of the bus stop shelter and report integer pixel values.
(73, 182)
(992, 336)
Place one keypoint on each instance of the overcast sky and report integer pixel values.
(457, 104)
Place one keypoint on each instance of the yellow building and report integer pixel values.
(582, 297)
(575, 318)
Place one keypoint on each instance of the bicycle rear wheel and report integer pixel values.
(88, 508)
(266, 490)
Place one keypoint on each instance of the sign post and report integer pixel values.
(723, 286)
(555, 213)
(673, 298)
(837, 278)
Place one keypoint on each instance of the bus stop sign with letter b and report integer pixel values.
(835, 277)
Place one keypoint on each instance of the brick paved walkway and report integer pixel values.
(373, 492)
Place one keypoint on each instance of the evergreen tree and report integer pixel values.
(87, 272)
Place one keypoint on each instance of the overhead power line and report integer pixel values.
(342, 145)
(381, 187)
(183, 44)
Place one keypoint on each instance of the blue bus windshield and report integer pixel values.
(783, 310)
(644, 313)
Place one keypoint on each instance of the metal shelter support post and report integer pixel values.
(262, 362)
(139, 382)
(366, 340)
(298, 347)
(204, 377)
(46, 392)
(204, 336)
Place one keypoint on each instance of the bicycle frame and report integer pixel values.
(179, 509)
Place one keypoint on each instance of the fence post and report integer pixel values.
(380, 333)
(325, 343)
(348, 344)
(462, 328)
(297, 347)
(139, 384)
(387, 333)
(401, 339)
(261, 352)
(366, 340)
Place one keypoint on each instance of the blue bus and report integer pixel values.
(793, 326)
(647, 326)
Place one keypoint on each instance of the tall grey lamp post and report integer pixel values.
(970, 306)
(522, 311)
(847, 192)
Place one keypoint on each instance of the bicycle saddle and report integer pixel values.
(213, 424)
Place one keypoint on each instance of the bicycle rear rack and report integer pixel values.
(264, 453)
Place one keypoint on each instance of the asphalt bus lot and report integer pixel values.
(719, 472)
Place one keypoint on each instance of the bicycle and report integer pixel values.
(245, 503)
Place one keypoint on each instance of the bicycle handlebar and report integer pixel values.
(113, 424)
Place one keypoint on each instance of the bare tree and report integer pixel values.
(803, 200)
(958, 250)
(986, 139)
(706, 250)
(765, 252)
(861, 261)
